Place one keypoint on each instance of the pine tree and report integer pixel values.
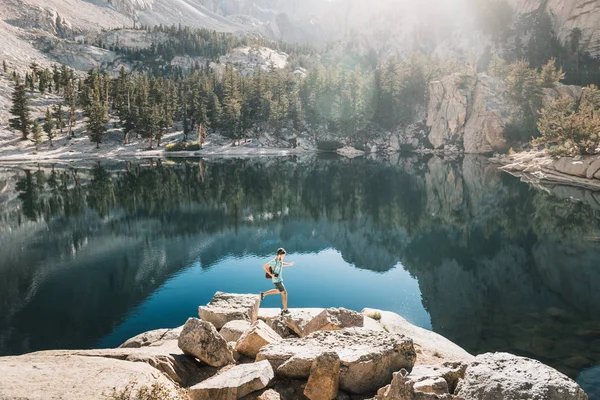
(36, 132)
(49, 126)
(58, 115)
(20, 110)
(4, 66)
(550, 75)
(97, 118)
(231, 103)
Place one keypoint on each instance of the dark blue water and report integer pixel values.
(94, 254)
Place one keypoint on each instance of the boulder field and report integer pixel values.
(239, 351)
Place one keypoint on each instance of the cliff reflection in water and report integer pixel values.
(501, 266)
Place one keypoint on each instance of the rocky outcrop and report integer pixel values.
(201, 340)
(152, 338)
(46, 375)
(497, 376)
(225, 307)
(368, 358)
(469, 111)
(434, 348)
(234, 383)
(259, 335)
(333, 319)
(431, 383)
(324, 377)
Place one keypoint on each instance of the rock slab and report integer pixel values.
(152, 338)
(232, 330)
(324, 377)
(234, 383)
(201, 340)
(368, 358)
(499, 376)
(225, 307)
(333, 319)
(259, 335)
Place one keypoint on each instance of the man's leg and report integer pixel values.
(272, 291)
(284, 299)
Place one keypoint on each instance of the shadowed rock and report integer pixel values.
(324, 377)
(201, 340)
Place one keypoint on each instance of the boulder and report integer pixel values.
(269, 395)
(593, 169)
(234, 383)
(424, 382)
(259, 335)
(59, 375)
(152, 338)
(232, 330)
(569, 166)
(499, 376)
(368, 358)
(324, 377)
(296, 320)
(434, 348)
(225, 307)
(334, 319)
(201, 340)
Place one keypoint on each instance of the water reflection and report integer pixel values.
(98, 253)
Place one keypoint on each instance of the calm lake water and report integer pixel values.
(94, 254)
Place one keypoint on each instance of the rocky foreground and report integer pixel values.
(238, 351)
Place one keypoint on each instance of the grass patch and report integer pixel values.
(376, 315)
(158, 391)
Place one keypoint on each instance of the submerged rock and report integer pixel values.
(201, 340)
(234, 383)
(368, 357)
(225, 307)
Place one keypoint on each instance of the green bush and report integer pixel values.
(329, 145)
(182, 146)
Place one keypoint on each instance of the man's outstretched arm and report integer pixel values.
(288, 264)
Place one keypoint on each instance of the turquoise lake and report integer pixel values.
(93, 254)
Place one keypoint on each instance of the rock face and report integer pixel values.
(334, 319)
(324, 377)
(296, 320)
(46, 375)
(498, 376)
(259, 335)
(201, 340)
(368, 358)
(469, 111)
(232, 330)
(234, 383)
(152, 338)
(428, 342)
(225, 307)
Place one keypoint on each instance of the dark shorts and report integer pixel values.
(279, 286)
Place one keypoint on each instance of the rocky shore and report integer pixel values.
(238, 351)
(536, 166)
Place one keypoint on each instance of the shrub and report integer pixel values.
(376, 315)
(158, 391)
(329, 145)
(576, 128)
(182, 146)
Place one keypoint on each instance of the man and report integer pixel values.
(274, 269)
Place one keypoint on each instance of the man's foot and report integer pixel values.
(286, 311)
(262, 296)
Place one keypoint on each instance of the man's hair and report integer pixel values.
(280, 251)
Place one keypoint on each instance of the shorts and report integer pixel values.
(279, 286)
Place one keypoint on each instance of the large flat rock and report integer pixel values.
(368, 358)
(297, 320)
(500, 376)
(52, 375)
(234, 383)
(435, 349)
(225, 307)
(152, 338)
